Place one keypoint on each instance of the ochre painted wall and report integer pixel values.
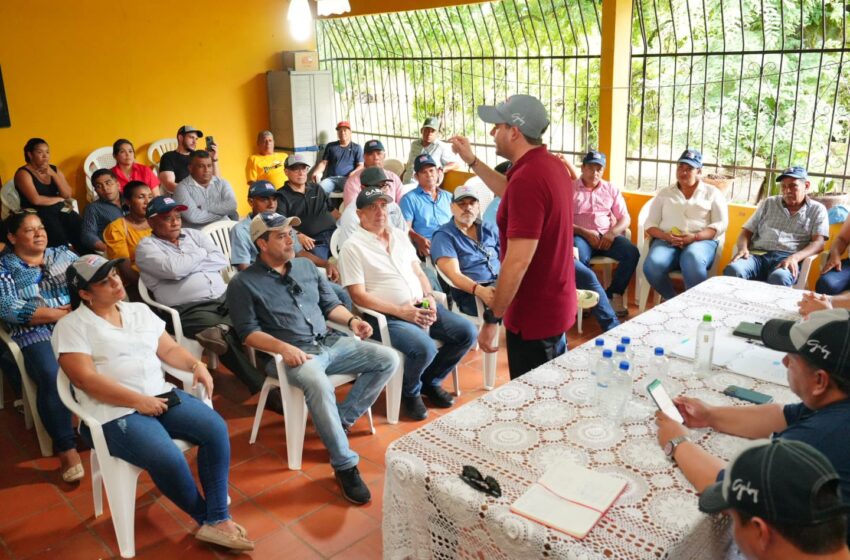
(82, 74)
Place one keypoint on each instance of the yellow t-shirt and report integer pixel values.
(121, 240)
(268, 168)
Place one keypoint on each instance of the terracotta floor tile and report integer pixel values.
(375, 508)
(152, 524)
(258, 522)
(369, 548)
(283, 545)
(27, 499)
(37, 532)
(375, 448)
(294, 499)
(260, 473)
(334, 528)
(182, 546)
(82, 546)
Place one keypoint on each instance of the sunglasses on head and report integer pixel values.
(488, 485)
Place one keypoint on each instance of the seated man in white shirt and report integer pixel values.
(430, 144)
(182, 268)
(381, 271)
(207, 198)
(349, 222)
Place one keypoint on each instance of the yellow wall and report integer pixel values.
(82, 74)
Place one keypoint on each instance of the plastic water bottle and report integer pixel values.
(704, 347)
(658, 366)
(599, 344)
(620, 354)
(616, 392)
(630, 351)
(600, 372)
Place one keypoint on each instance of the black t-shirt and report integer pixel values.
(177, 163)
(313, 207)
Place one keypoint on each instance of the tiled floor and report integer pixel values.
(291, 515)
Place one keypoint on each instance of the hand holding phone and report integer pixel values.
(210, 142)
(173, 398)
(663, 401)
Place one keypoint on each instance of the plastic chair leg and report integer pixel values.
(643, 296)
(579, 316)
(393, 389)
(490, 370)
(371, 423)
(295, 425)
(121, 479)
(261, 405)
(96, 484)
(29, 389)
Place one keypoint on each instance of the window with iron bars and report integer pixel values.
(391, 71)
(756, 85)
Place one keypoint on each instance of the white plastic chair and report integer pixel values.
(489, 362)
(189, 344)
(295, 405)
(116, 475)
(10, 198)
(805, 269)
(101, 158)
(29, 389)
(394, 165)
(220, 234)
(156, 149)
(643, 286)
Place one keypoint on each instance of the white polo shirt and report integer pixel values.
(125, 354)
(388, 275)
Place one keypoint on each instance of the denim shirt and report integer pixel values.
(478, 260)
(290, 307)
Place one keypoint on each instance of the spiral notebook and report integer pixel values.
(570, 498)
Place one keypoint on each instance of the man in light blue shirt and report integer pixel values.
(426, 207)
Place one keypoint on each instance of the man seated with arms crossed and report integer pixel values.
(103, 211)
(182, 268)
(339, 160)
(267, 165)
(349, 222)
(207, 198)
(784, 230)
(174, 165)
(785, 503)
(279, 304)
(430, 144)
(381, 271)
(373, 156)
(262, 196)
(426, 207)
(600, 220)
(818, 362)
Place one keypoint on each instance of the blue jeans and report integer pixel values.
(835, 281)
(42, 368)
(762, 267)
(333, 184)
(341, 354)
(694, 261)
(424, 363)
(622, 250)
(322, 249)
(342, 294)
(145, 441)
(586, 280)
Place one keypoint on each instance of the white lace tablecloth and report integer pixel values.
(519, 429)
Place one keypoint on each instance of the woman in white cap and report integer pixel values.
(112, 352)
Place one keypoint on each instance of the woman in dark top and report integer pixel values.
(44, 188)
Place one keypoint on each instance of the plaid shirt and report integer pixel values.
(776, 229)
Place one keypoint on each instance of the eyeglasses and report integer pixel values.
(488, 485)
(292, 286)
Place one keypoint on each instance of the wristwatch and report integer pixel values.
(670, 447)
(332, 260)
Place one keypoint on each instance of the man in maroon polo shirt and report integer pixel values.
(536, 290)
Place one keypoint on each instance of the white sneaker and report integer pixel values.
(619, 306)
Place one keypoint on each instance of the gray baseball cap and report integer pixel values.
(89, 269)
(271, 221)
(296, 159)
(525, 112)
(432, 122)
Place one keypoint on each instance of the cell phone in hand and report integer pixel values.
(210, 141)
(663, 401)
(173, 398)
(747, 395)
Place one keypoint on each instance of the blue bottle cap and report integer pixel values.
(659, 351)
(621, 348)
(600, 342)
(626, 340)
(624, 365)
(607, 353)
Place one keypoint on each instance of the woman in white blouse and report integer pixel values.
(686, 221)
(111, 351)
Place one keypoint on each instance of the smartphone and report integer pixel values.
(747, 395)
(663, 401)
(173, 398)
(748, 330)
(210, 141)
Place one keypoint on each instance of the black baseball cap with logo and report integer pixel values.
(778, 481)
(369, 195)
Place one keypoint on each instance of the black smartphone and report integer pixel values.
(210, 141)
(748, 330)
(173, 398)
(747, 395)
(663, 401)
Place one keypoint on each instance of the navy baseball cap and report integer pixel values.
(163, 204)
(795, 172)
(261, 189)
(593, 157)
(423, 160)
(691, 157)
(373, 146)
(525, 112)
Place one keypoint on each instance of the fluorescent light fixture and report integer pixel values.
(300, 19)
(332, 7)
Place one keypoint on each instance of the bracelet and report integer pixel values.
(196, 364)
(474, 287)
(474, 162)
(353, 317)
